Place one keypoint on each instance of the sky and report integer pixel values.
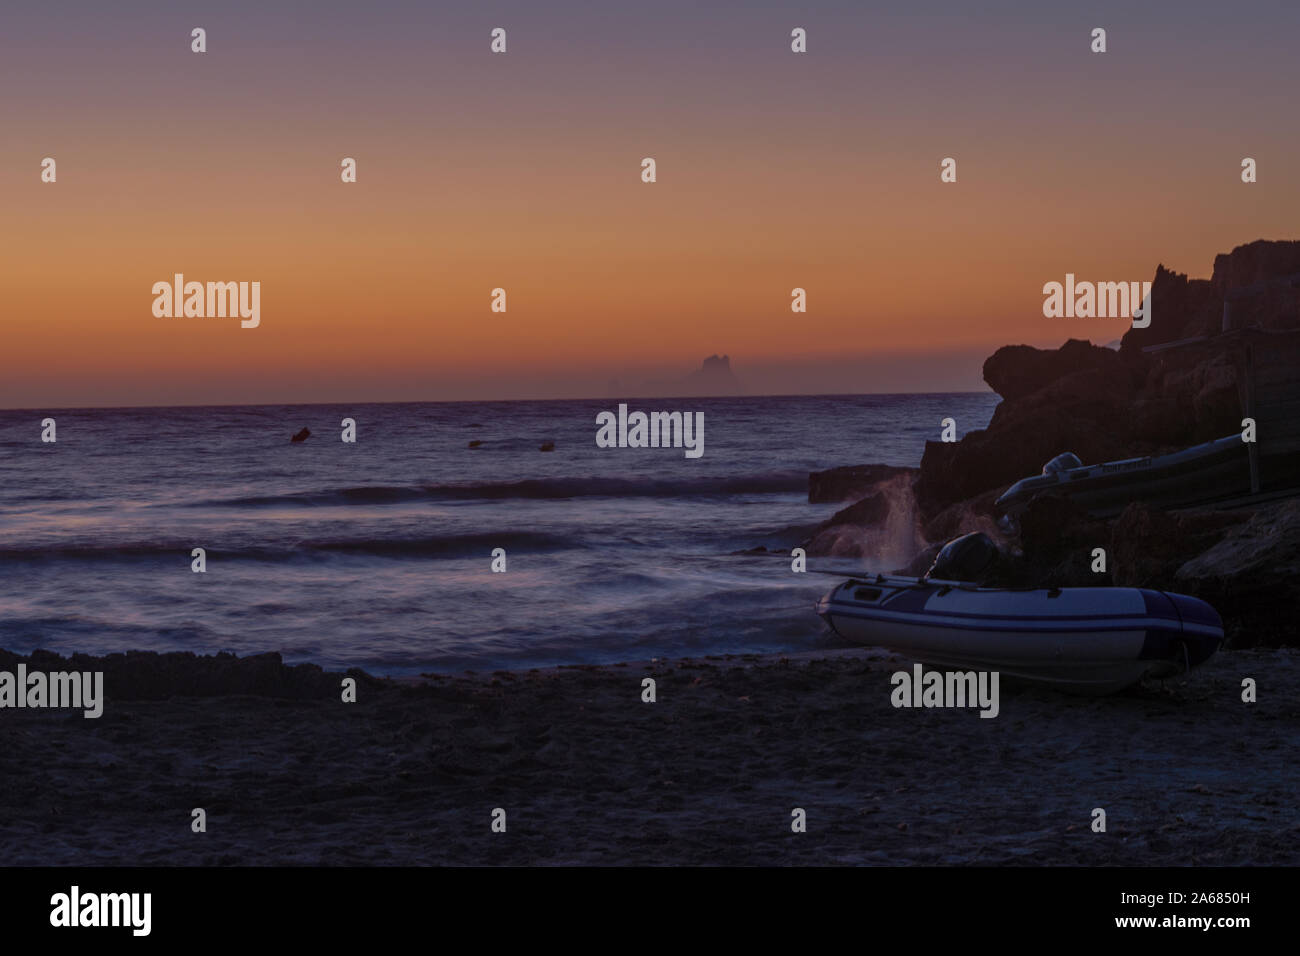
(522, 171)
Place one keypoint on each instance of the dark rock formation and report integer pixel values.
(713, 377)
(1106, 405)
(870, 510)
(881, 525)
(302, 435)
(1057, 539)
(849, 482)
(1261, 261)
(1257, 284)
(1252, 575)
(1244, 562)
(1015, 371)
(1147, 547)
(972, 514)
(1181, 308)
(1076, 398)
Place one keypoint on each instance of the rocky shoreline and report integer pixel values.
(1176, 383)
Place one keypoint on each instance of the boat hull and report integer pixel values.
(1084, 640)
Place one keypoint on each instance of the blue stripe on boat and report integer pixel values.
(986, 623)
(912, 608)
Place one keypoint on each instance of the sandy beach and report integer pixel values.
(589, 774)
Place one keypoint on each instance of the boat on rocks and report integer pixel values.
(1202, 473)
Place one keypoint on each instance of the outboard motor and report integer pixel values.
(1066, 461)
(964, 558)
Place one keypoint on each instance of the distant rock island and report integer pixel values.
(714, 377)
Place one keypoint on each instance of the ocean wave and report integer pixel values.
(432, 546)
(534, 488)
(455, 545)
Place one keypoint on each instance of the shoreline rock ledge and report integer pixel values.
(1168, 386)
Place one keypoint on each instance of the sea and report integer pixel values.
(378, 554)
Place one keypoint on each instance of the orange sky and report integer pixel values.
(522, 172)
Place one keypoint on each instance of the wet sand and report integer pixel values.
(709, 774)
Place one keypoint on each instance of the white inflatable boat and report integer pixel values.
(1087, 640)
(1216, 469)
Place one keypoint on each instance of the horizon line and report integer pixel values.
(482, 401)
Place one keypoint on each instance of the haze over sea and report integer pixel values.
(377, 554)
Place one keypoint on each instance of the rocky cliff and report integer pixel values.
(1149, 397)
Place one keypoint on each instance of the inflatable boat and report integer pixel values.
(1216, 469)
(1085, 640)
